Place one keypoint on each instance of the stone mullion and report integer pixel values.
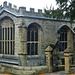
(13, 39)
(64, 36)
(34, 42)
(4, 40)
(61, 37)
(12, 48)
(64, 40)
(30, 43)
(7, 40)
(10, 40)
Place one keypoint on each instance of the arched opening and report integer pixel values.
(65, 36)
(62, 39)
(7, 36)
(34, 39)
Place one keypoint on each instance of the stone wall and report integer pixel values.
(49, 29)
(36, 61)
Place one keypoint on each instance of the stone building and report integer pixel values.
(26, 34)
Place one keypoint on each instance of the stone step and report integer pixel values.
(22, 73)
(23, 70)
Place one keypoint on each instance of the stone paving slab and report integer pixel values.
(58, 73)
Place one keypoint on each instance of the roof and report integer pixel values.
(5, 10)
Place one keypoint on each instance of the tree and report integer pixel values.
(53, 13)
(66, 9)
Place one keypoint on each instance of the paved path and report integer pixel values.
(56, 73)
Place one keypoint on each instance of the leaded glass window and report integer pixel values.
(7, 34)
(63, 39)
(32, 40)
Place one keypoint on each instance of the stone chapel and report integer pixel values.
(26, 36)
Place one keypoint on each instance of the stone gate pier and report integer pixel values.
(69, 61)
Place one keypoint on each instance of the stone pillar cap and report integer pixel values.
(48, 49)
(68, 50)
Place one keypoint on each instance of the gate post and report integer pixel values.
(48, 53)
(68, 53)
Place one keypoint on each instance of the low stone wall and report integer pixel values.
(10, 59)
(36, 60)
(30, 60)
(20, 70)
(72, 69)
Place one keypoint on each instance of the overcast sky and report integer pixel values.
(37, 4)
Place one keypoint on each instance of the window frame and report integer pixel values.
(32, 41)
(7, 25)
(63, 38)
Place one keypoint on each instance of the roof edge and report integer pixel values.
(45, 18)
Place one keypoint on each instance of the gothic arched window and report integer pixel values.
(7, 39)
(63, 39)
(32, 40)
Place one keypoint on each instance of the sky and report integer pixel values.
(36, 4)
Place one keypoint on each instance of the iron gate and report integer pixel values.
(58, 61)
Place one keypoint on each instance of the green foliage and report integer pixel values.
(61, 2)
(66, 9)
(52, 13)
